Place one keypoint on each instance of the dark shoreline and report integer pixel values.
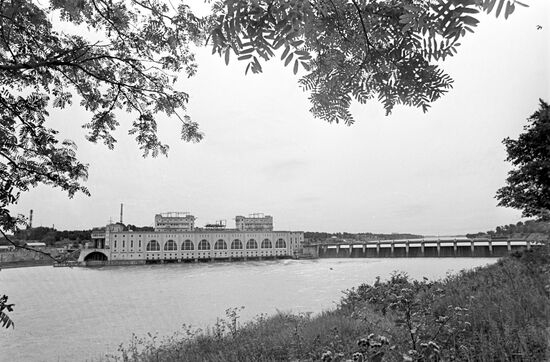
(25, 264)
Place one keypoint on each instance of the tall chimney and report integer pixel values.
(121, 208)
(30, 220)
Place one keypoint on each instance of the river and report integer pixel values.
(79, 314)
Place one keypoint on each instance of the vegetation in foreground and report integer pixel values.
(496, 313)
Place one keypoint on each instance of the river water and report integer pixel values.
(79, 314)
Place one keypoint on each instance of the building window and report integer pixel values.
(132, 244)
(266, 244)
(204, 245)
(251, 244)
(220, 244)
(153, 245)
(170, 245)
(115, 244)
(187, 245)
(280, 244)
(236, 244)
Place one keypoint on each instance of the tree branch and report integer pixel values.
(29, 248)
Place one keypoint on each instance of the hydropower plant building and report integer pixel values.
(175, 239)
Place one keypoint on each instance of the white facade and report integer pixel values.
(202, 244)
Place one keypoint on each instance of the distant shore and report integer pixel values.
(25, 264)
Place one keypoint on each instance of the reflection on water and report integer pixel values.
(78, 314)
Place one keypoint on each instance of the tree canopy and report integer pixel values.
(125, 55)
(528, 183)
(353, 50)
(128, 60)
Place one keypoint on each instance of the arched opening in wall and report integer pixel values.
(153, 245)
(236, 244)
(266, 244)
(251, 244)
(187, 245)
(204, 245)
(170, 245)
(280, 243)
(220, 244)
(96, 256)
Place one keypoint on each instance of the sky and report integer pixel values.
(432, 173)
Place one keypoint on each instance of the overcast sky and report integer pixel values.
(433, 173)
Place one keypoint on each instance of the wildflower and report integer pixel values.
(363, 342)
(327, 356)
(358, 357)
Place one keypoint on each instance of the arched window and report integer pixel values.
(220, 244)
(153, 245)
(170, 245)
(266, 244)
(204, 245)
(251, 244)
(280, 244)
(187, 245)
(236, 244)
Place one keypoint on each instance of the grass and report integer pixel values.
(496, 313)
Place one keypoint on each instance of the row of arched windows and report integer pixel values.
(171, 245)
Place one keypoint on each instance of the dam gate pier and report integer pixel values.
(436, 248)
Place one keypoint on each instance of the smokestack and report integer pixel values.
(121, 208)
(30, 220)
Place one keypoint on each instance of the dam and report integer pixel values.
(428, 247)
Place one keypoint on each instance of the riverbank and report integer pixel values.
(25, 264)
(496, 312)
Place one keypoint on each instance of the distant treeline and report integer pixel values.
(52, 236)
(314, 236)
(139, 228)
(520, 229)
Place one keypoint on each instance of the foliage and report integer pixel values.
(315, 236)
(539, 228)
(5, 320)
(528, 183)
(498, 312)
(139, 228)
(121, 55)
(353, 50)
(495, 313)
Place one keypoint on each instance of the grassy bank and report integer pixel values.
(496, 313)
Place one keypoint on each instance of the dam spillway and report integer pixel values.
(453, 248)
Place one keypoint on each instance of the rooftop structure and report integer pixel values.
(218, 225)
(254, 222)
(174, 221)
